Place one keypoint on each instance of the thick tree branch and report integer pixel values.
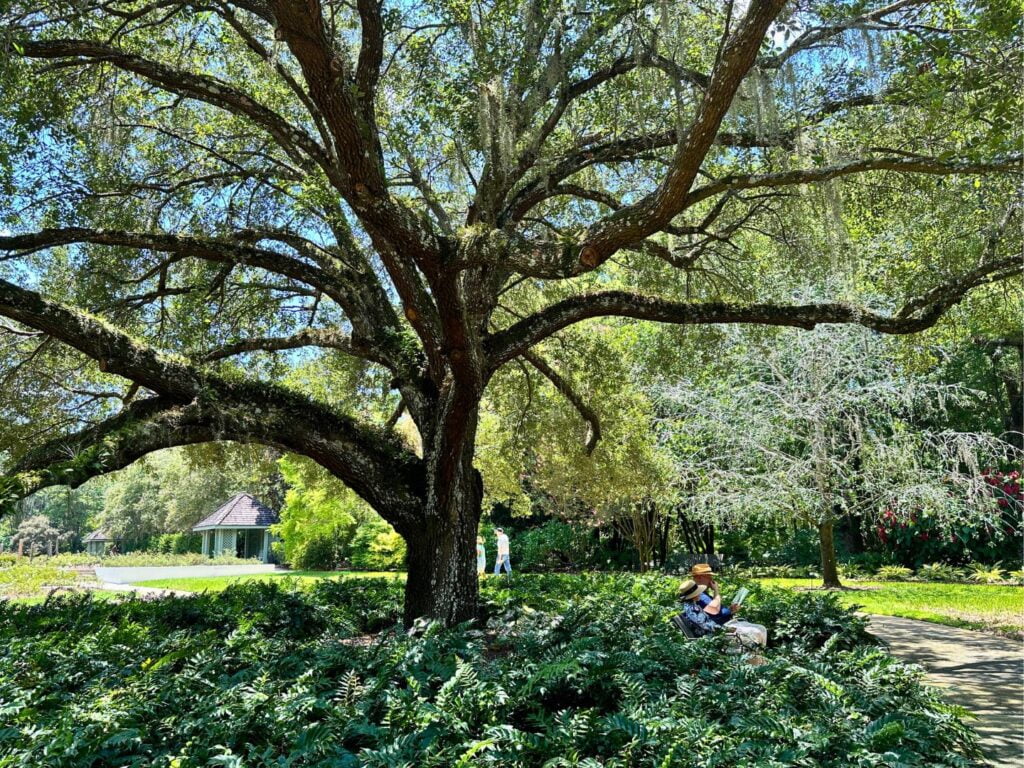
(656, 210)
(404, 244)
(916, 315)
(310, 337)
(372, 462)
(585, 411)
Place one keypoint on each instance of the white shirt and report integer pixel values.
(502, 544)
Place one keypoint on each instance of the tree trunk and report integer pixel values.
(441, 564)
(709, 539)
(441, 549)
(827, 544)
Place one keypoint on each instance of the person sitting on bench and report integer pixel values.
(698, 621)
(711, 601)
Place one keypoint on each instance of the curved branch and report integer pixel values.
(114, 351)
(926, 165)
(916, 315)
(71, 460)
(296, 143)
(310, 337)
(585, 411)
(221, 251)
(207, 407)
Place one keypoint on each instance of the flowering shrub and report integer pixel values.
(920, 538)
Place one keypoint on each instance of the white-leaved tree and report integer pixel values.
(812, 428)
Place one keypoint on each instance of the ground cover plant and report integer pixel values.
(972, 606)
(558, 671)
(28, 579)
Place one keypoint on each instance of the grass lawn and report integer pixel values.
(218, 583)
(972, 606)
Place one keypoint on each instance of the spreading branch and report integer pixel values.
(916, 315)
(310, 337)
(372, 462)
(588, 414)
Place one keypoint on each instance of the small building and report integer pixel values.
(239, 527)
(98, 542)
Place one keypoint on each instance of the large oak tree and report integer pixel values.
(201, 195)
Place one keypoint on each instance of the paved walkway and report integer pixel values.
(982, 673)
(131, 575)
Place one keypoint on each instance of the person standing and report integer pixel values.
(481, 556)
(502, 559)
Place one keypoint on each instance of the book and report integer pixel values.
(741, 596)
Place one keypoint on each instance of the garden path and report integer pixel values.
(982, 673)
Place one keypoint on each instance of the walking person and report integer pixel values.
(481, 556)
(502, 559)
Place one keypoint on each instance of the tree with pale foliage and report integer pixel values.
(36, 535)
(200, 197)
(816, 428)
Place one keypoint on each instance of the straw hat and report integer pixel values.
(701, 569)
(690, 589)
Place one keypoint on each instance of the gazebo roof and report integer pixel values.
(98, 535)
(240, 511)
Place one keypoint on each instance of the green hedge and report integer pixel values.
(558, 671)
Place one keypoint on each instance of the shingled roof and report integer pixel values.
(242, 509)
(98, 535)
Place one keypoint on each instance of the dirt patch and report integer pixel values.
(359, 641)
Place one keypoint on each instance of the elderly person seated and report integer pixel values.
(709, 599)
(697, 620)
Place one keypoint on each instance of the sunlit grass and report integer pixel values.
(974, 606)
(218, 583)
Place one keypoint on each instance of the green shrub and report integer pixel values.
(853, 571)
(562, 670)
(7, 560)
(176, 543)
(27, 578)
(555, 545)
(377, 547)
(986, 574)
(776, 572)
(144, 558)
(322, 552)
(940, 572)
(894, 573)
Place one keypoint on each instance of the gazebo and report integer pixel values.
(98, 542)
(239, 527)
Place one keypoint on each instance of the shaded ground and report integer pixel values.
(980, 672)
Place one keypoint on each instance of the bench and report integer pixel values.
(682, 626)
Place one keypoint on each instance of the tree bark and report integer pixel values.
(441, 564)
(827, 545)
(441, 546)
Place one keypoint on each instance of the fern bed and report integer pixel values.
(559, 671)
